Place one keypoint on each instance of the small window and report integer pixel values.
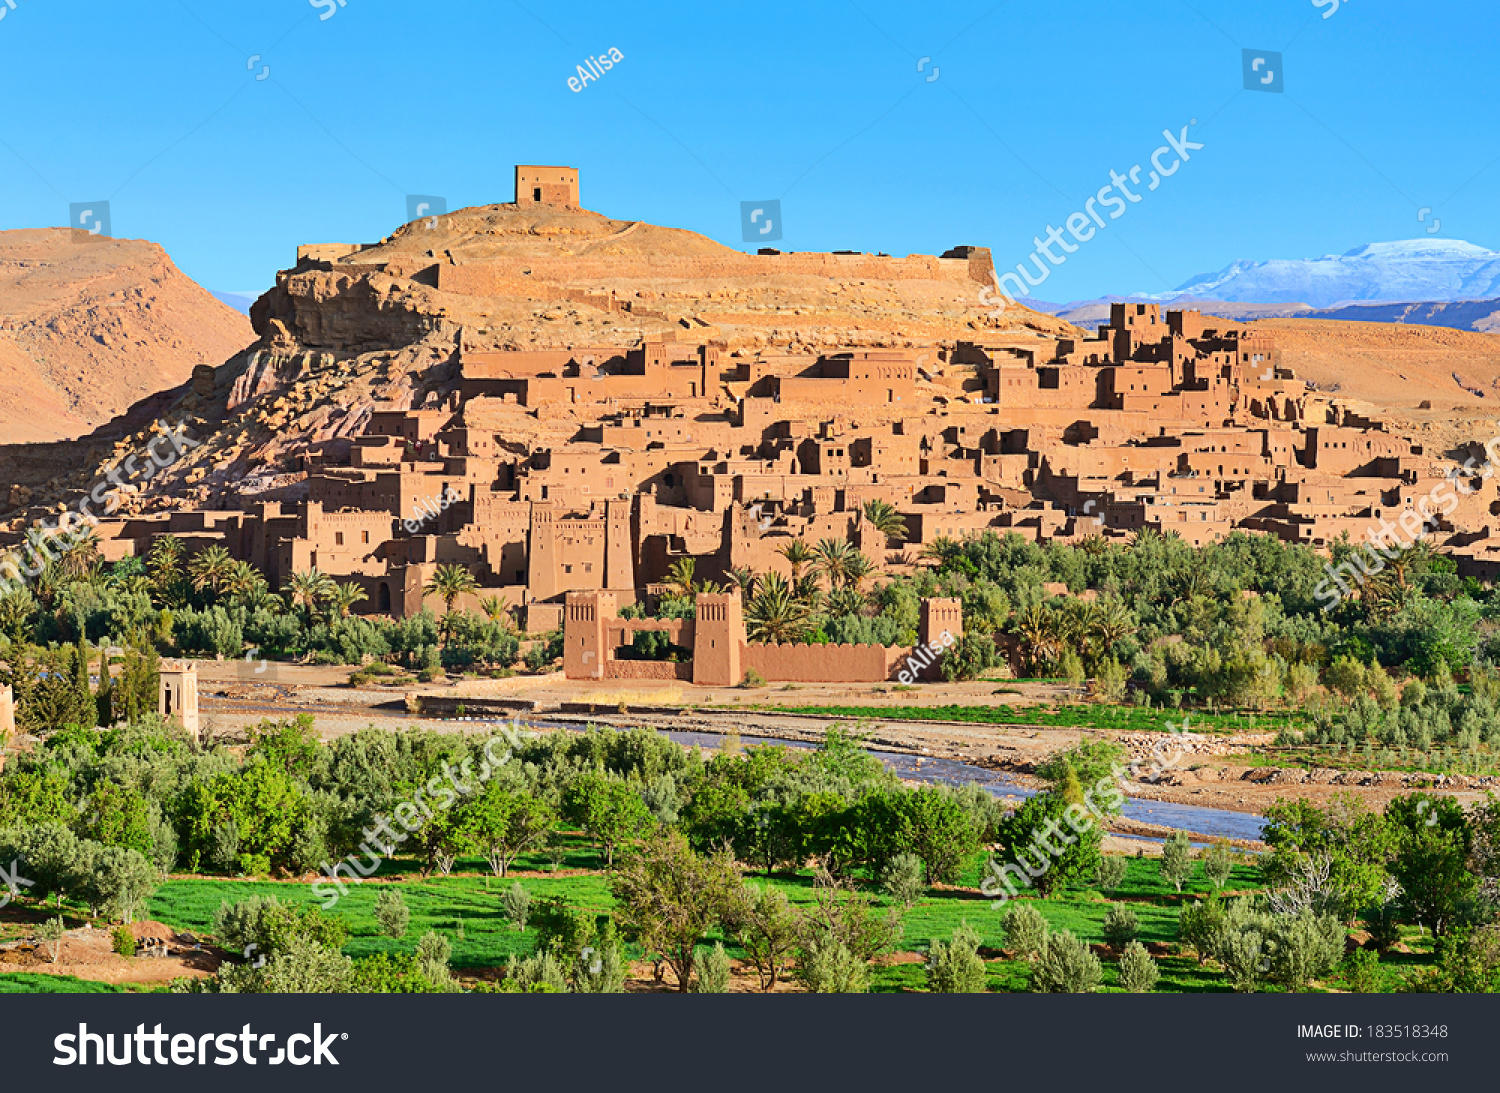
(338, 538)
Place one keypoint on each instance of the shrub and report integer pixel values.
(1120, 927)
(1138, 972)
(902, 879)
(753, 679)
(1112, 872)
(123, 941)
(271, 927)
(515, 901)
(1198, 924)
(1240, 945)
(601, 963)
(1025, 931)
(1177, 863)
(1361, 971)
(829, 967)
(956, 967)
(1067, 966)
(1109, 682)
(1384, 923)
(1304, 946)
(1218, 863)
(50, 934)
(391, 913)
(433, 951)
(1070, 668)
(711, 971)
(541, 972)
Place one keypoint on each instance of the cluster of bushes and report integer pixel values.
(1423, 723)
(113, 881)
(211, 605)
(282, 950)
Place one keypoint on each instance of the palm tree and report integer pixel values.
(1037, 629)
(775, 614)
(84, 556)
(833, 556)
(941, 549)
(680, 575)
(856, 568)
(797, 555)
(884, 518)
(1112, 624)
(345, 596)
(164, 564)
(309, 588)
(450, 582)
(211, 568)
(496, 609)
(1093, 545)
(165, 559)
(240, 579)
(846, 601)
(807, 591)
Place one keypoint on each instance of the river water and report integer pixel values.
(952, 772)
(948, 772)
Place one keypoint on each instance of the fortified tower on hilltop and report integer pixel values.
(547, 186)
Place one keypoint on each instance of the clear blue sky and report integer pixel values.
(1389, 106)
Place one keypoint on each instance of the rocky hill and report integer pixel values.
(88, 329)
(351, 328)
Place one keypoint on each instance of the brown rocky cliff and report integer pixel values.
(89, 329)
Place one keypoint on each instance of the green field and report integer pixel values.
(467, 903)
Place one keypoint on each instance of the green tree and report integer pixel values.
(1356, 842)
(503, 823)
(609, 811)
(1039, 843)
(672, 896)
(1431, 864)
(768, 929)
(1218, 863)
(936, 827)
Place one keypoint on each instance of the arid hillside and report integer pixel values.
(1396, 369)
(88, 329)
(352, 327)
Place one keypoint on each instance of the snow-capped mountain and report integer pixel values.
(1407, 270)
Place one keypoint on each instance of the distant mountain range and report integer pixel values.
(1433, 282)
